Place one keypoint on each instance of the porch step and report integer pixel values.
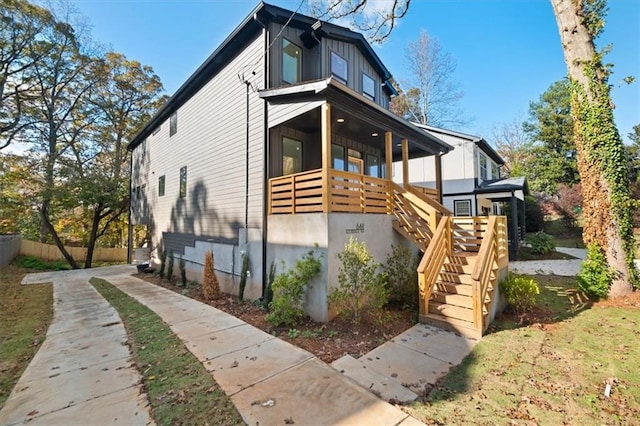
(464, 328)
(455, 277)
(379, 384)
(453, 288)
(462, 301)
(451, 311)
(457, 268)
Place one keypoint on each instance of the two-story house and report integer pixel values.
(469, 181)
(281, 142)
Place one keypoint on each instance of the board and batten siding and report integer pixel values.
(210, 141)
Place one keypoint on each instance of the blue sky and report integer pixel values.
(508, 51)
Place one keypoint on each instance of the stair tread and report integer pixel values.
(465, 328)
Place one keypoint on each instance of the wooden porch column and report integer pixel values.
(405, 163)
(439, 176)
(325, 112)
(388, 165)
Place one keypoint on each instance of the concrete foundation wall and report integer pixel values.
(291, 236)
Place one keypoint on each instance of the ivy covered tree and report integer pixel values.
(608, 226)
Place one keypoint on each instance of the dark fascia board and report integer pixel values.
(330, 85)
(234, 42)
(508, 185)
(480, 142)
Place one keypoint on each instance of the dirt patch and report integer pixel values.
(629, 301)
(328, 341)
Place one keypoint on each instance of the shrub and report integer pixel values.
(170, 267)
(163, 263)
(210, 284)
(182, 265)
(402, 277)
(361, 288)
(268, 290)
(541, 243)
(595, 276)
(568, 203)
(288, 291)
(520, 292)
(244, 274)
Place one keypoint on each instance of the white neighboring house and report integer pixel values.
(471, 180)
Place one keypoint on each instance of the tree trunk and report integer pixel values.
(598, 144)
(93, 236)
(46, 223)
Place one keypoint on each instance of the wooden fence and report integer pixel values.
(51, 252)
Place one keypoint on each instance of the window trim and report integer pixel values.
(466, 201)
(162, 181)
(299, 62)
(173, 123)
(483, 170)
(183, 182)
(333, 73)
(370, 96)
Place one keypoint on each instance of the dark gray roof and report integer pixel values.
(504, 185)
(237, 40)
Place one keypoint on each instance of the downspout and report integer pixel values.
(130, 227)
(266, 159)
(246, 173)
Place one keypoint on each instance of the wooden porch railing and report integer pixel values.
(434, 257)
(429, 192)
(492, 254)
(348, 193)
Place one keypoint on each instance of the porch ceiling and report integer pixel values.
(356, 118)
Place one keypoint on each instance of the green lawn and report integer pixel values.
(25, 315)
(180, 390)
(551, 372)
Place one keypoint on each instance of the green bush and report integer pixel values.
(244, 274)
(533, 216)
(163, 263)
(402, 277)
(288, 291)
(182, 265)
(33, 262)
(541, 243)
(170, 267)
(361, 289)
(520, 292)
(595, 276)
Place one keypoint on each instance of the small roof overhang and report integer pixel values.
(498, 186)
(339, 95)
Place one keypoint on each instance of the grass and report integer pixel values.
(179, 388)
(25, 315)
(551, 372)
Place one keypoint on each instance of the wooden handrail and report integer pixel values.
(433, 203)
(487, 256)
(434, 257)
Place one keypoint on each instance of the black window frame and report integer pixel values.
(173, 123)
(183, 181)
(370, 96)
(301, 145)
(340, 78)
(455, 207)
(299, 62)
(162, 180)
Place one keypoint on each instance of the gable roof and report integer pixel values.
(479, 141)
(250, 26)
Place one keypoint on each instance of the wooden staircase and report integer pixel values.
(460, 268)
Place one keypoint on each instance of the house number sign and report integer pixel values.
(359, 229)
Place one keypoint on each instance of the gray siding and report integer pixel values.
(210, 141)
(279, 113)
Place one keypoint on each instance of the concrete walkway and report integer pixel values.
(83, 372)
(565, 268)
(269, 380)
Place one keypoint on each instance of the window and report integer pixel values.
(161, 186)
(483, 167)
(339, 67)
(462, 208)
(291, 156)
(337, 157)
(495, 171)
(291, 62)
(173, 124)
(368, 87)
(373, 165)
(354, 161)
(183, 182)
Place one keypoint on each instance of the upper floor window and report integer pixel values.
(495, 171)
(173, 124)
(483, 167)
(291, 62)
(339, 67)
(368, 87)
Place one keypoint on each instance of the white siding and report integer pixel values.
(210, 141)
